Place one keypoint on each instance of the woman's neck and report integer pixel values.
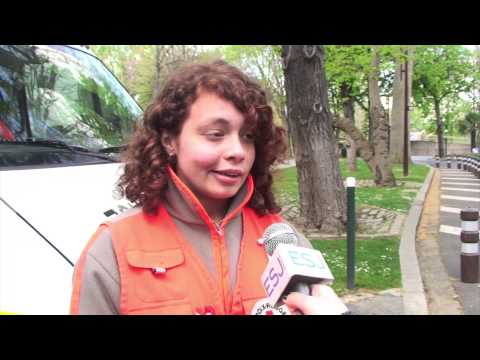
(216, 209)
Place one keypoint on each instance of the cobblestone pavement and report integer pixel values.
(371, 220)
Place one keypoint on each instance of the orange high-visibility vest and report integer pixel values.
(160, 273)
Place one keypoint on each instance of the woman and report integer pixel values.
(198, 167)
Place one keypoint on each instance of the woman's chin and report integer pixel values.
(222, 195)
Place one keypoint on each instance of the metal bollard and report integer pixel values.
(470, 253)
(437, 161)
(465, 162)
(459, 162)
(350, 184)
(449, 165)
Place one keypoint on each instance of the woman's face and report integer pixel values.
(215, 149)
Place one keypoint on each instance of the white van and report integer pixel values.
(63, 119)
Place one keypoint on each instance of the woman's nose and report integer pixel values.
(235, 149)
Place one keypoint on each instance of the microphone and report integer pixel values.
(291, 268)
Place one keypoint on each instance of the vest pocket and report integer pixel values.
(153, 286)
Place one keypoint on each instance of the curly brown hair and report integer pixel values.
(144, 180)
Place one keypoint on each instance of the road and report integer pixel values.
(459, 190)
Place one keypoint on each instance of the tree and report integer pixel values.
(322, 195)
(262, 62)
(383, 170)
(349, 113)
(441, 72)
(168, 58)
(471, 125)
(345, 68)
(471, 122)
(356, 70)
(143, 69)
(406, 53)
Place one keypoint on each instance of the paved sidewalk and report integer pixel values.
(441, 296)
(388, 302)
(439, 263)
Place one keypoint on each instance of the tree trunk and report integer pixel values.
(398, 108)
(440, 129)
(398, 111)
(364, 147)
(290, 149)
(473, 139)
(370, 127)
(322, 195)
(348, 113)
(383, 171)
(351, 154)
(158, 69)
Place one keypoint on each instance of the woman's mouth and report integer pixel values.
(228, 177)
(230, 173)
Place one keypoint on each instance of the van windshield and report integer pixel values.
(62, 94)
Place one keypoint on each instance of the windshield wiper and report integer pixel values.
(113, 149)
(60, 145)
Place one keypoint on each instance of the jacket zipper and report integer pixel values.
(218, 228)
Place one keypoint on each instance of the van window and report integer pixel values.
(68, 96)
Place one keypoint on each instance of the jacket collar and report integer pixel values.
(184, 205)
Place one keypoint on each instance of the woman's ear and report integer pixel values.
(168, 142)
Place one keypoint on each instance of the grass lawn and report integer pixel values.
(396, 198)
(377, 260)
(362, 173)
(416, 173)
(377, 263)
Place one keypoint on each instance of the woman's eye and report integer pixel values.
(214, 135)
(249, 136)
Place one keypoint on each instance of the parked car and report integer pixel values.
(63, 119)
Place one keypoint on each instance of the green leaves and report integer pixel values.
(471, 122)
(442, 71)
(144, 68)
(444, 75)
(347, 63)
(351, 64)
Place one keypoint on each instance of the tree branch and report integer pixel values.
(362, 144)
(360, 103)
